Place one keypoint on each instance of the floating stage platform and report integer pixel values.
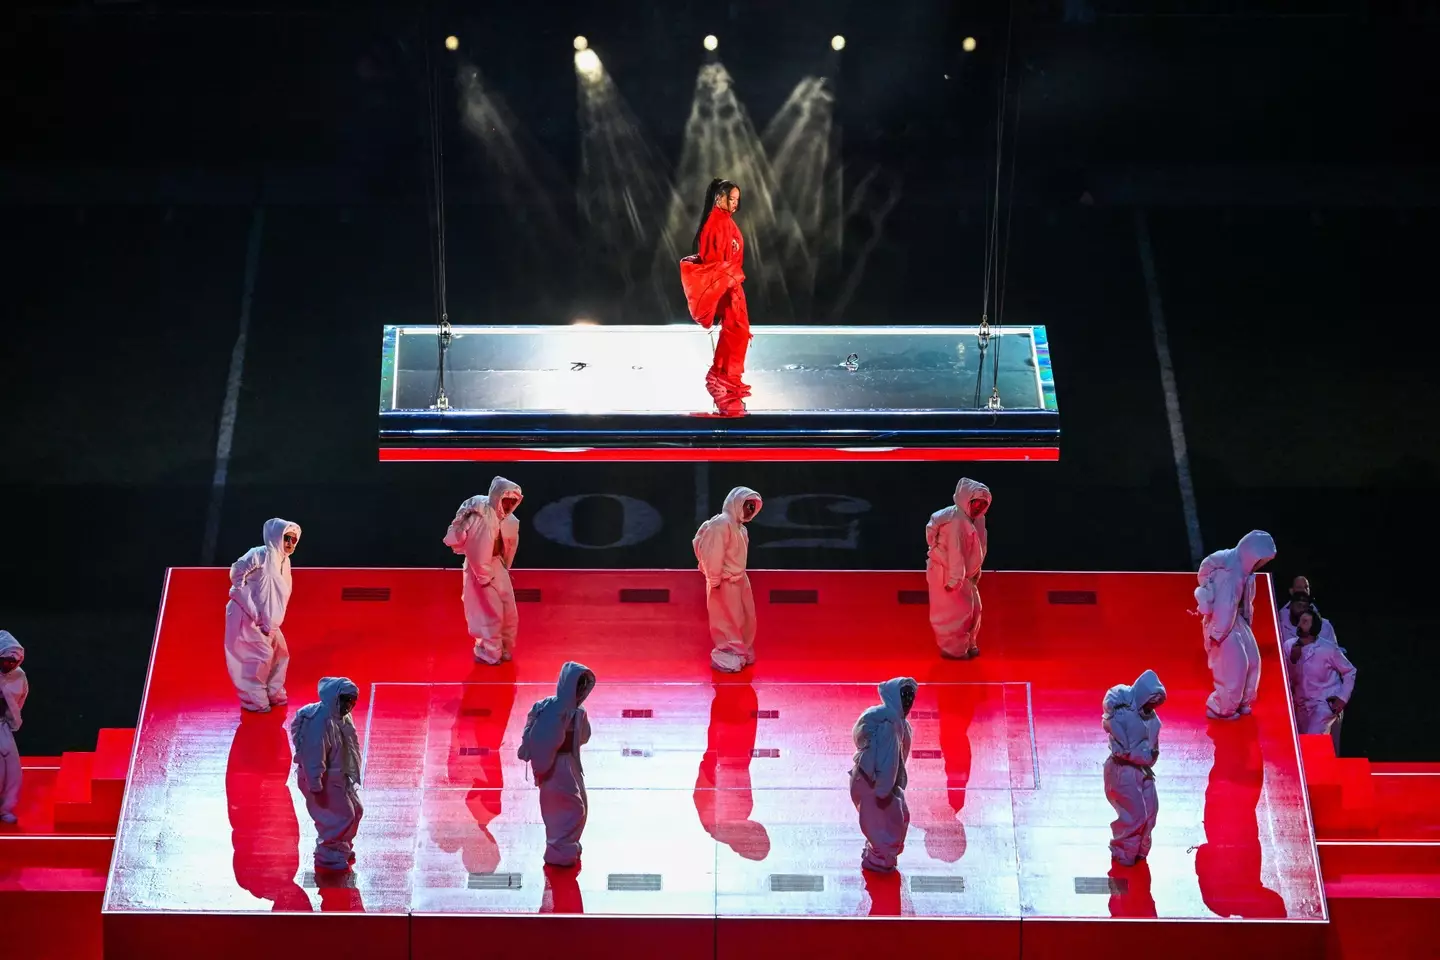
(637, 393)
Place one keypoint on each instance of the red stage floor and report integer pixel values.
(715, 801)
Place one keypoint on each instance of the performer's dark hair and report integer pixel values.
(1316, 621)
(716, 188)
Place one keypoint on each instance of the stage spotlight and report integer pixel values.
(837, 42)
(452, 43)
(711, 42)
(968, 44)
(587, 61)
(581, 43)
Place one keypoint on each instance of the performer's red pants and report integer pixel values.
(724, 379)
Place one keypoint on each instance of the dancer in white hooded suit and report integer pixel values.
(722, 545)
(878, 779)
(486, 533)
(1134, 728)
(327, 769)
(957, 541)
(1322, 678)
(555, 730)
(14, 688)
(1226, 602)
(256, 653)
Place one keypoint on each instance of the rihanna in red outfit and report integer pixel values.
(713, 278)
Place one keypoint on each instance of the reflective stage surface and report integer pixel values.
(925, 389)
(713, 797)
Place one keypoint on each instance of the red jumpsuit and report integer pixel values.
(712, 280)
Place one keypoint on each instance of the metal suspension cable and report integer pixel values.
(1009, 218)
(993, 253)
(993, 203)
(437, 240)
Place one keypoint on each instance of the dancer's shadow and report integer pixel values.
(1133, 897)
(1228, 863)
(887, 894)
(339, 893)
(475, 759)
(264, 831)
(939, 813)
(723, 797)
(562, 890)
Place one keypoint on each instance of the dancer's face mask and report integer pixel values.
(8, 663)
(977, 508)
(749, 510)
(290, 541)
(907, 699)
(583, 688)
(346, 703)
(508, 505)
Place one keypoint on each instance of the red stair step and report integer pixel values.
(38, 763)
(1317, 751)
(72, 789)
(72, 784)
(1409, 804)
(112, 753)
(1429, 769)
(1357, 789)
(112, 764)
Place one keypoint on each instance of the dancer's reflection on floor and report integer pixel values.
(940, 813)
(887, 894)
(1228, 863)
(723, 798)
(562, 890)
(476, 759)
(339, 892)
(1130, 890)
(264, 831)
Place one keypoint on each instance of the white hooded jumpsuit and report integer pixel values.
(1226, 601)
(327, 770)
(256, 653)
(722, 545)
(878, 779)
(555, 730)
(487, 536)
(957, 546)
(1322, 671)
(14, 688)
(1129, 781)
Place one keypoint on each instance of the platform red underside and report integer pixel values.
(710, 792)
(716, 454)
